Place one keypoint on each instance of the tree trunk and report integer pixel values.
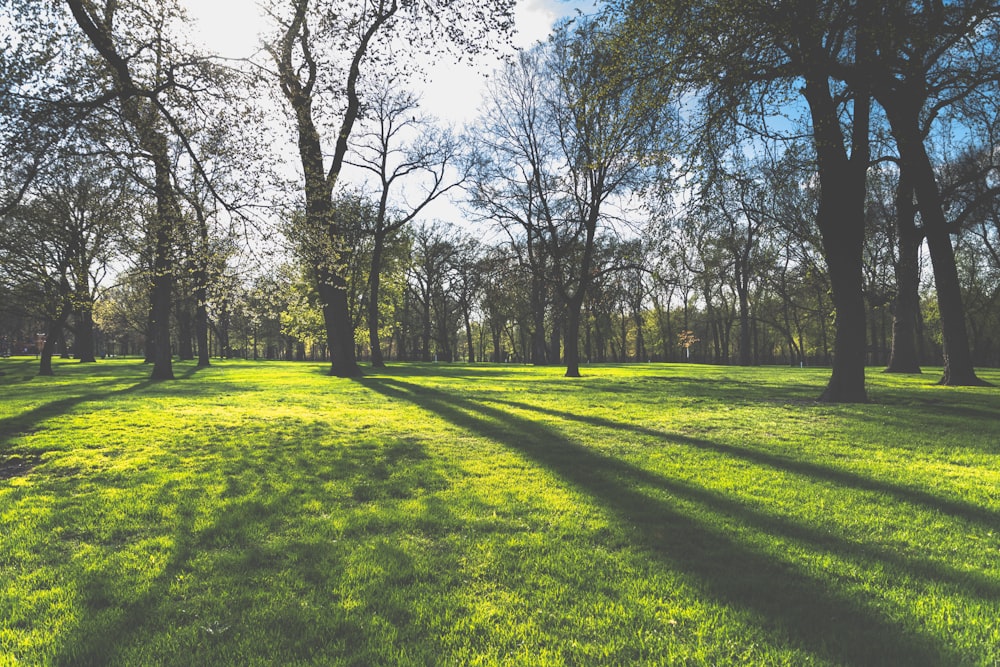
(339, 328)
(640, 339)
(554, 351)
(840, 218)
(374, 282)
(496, 344)
(201, 328)
(185, 333)
(743, 293)
(903, 118)
(426, 328)
(166, 215)
(85, 330)
(903, 357)
(468, 335)
(574, 304)
(571, 346)
(538, 357)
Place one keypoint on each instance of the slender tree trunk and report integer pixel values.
(574, 304)
(201, 297)
(426, 328)
(571, 346)
(374, 282)
(640, 339)
(538, 356)
(745, 331)
(555, 335)
(201, 328)
(185, 333)
(468, 334)
(904, 358)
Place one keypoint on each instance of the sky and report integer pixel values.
(453, 91)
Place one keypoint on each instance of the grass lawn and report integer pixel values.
(267, 514)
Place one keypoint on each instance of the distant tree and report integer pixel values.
(58, 243)
(435, 248)
(514, 180)
(402, 151)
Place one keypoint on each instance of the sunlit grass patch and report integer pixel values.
(452, 514)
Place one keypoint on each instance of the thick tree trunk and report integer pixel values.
(904, 357)
(45, 359)
(339, 329)
(85, 330)
(53, 333)
(840, 219)
(497, 353)
(162, 262)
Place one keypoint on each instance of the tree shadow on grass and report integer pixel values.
(974, 584)
(29, 421)
(807, 469)
(108, 623)
(258, 585)
(823, 621)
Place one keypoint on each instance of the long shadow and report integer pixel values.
(976, 585)
(955, 508)
(24, 422)
(787, 599)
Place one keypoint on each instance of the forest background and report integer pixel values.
(700, 182)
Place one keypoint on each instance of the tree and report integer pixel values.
(929, 56)
(381, 149)
(58, 243)
(515, 174)
(324, 94)
(740, 60)
(606, 129)
(435, 248)
(148, 77)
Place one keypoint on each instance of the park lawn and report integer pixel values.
(265, 513)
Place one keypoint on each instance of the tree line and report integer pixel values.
(798, 183)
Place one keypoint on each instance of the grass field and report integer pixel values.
(267, 514)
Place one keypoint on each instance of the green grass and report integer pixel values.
(267, 514)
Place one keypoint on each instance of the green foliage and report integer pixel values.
(495, 514)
